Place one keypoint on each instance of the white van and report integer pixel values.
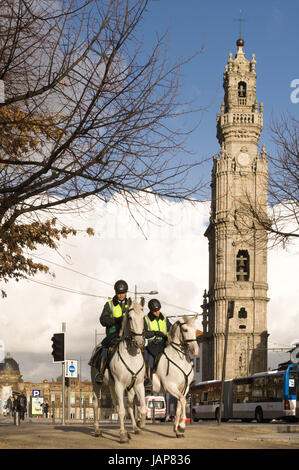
(159, 404)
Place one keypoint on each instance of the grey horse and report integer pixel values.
(125, 372)
(174, 372)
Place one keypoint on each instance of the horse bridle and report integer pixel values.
(183, 339)
(132, 333)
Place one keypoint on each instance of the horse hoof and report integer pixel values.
(137, 431)
(180, 435)
(97, 434)
(124, 438)
(129, 436)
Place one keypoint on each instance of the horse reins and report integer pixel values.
(134, 375)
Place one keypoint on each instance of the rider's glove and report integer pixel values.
(159, 333)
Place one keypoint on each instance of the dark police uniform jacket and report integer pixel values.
(156, 329)
(111, 317)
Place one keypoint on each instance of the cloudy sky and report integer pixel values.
(170, 257)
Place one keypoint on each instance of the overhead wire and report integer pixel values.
(67, 289)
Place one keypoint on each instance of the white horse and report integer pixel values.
(125, 372)
(174, 372)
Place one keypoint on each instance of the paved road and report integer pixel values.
(42, 434)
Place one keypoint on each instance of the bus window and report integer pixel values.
(279, 387)
(242, 391)
(259, 389)
(271, 388)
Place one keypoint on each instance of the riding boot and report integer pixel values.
(148, 383)
(99, 378)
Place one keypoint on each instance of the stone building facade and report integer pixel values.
(78, 396)
(237, 241)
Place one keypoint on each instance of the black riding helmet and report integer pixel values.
(121, 287)
(154, 305)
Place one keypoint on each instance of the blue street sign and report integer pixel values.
(71, 369)
(36, 393)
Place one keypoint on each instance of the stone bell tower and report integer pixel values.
(237, 241)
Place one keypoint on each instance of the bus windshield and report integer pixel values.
(159, 404)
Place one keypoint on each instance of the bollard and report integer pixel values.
(53, 412)
(17, 418)
(84, 412)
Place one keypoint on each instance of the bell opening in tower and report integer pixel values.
(242, 265)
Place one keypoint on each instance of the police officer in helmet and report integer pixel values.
(156, 327)
(112, 317)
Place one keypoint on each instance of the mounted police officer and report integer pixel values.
(156, 327)
(111, 317)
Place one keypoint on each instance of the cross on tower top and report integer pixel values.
(240, 21)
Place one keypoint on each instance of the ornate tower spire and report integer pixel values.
(237, 244)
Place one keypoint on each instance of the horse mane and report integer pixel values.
(123, 330)
(172, 331)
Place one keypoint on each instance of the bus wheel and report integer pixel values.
(259, 415)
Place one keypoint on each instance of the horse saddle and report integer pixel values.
(96, 356)
(95, 359)
(156, 360)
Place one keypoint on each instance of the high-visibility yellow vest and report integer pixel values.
(156, 325)
(116, 312)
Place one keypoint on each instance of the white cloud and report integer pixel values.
(173, 260)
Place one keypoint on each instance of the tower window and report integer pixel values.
(242, 90)
(242, 265)
(242, 313)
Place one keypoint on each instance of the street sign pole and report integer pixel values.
(63, 379)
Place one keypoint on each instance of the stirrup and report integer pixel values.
(99, 377)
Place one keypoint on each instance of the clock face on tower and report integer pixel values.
(243, 159)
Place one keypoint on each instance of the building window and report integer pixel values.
(242, 313)
(242, 90)
(242, 265)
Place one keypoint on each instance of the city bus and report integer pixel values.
(263, 396)
(205, 399)
(157, 403)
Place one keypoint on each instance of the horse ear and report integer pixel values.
(142, 302)
(195, 317)
(129, 302)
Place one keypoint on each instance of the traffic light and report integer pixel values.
(58, 347)
(67, 381)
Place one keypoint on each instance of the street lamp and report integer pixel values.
(152, 292)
